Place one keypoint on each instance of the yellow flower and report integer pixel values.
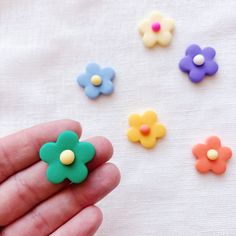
(145, 129)
(156, 30)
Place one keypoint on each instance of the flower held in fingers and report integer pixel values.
(66, 158)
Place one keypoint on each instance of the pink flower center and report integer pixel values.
(144, 129)
(156, 26)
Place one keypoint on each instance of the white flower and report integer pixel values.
(156, 30)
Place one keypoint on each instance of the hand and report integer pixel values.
(30, 205)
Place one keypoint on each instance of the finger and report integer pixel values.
(20, 150)
(84, 223)
(57, 210)
(30, 186)
(104, 151)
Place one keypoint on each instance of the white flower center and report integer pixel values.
(199, 60)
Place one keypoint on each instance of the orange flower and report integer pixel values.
(211, 156)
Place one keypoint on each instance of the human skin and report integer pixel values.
(31, 205)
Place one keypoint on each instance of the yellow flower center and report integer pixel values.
(96, 80)
(67, 157)
(212, 154)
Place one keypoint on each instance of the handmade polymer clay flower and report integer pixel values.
(67, 158)
(97, 81)
(198, 62)
(156, 29)
(145, 129)
(211, 156)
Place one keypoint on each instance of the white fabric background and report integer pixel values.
(45, 44)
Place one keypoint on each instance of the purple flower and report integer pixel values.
(198, 62)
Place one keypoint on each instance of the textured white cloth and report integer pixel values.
(45, 44)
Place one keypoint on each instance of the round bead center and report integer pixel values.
(156, 26)
(145, 129)
(67, 157)
(212, 154)
(199, 60)
(96, 80)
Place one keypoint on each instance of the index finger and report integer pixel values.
(20, 150)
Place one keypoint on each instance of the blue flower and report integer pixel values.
(96, 81)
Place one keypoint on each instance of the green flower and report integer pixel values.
(67, 158)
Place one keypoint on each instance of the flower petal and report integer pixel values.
(209, 53)
(168, 24)
(49, 152)
(164, 38)
(83, 80)
(133, 134)
(93, 69)
(55, 173)
(225, 153)
(84, 152)
(156, 16)
(196, 75)
(186, 64)
(67, 140)
(78, 173)
(203, 165)
(150, 39)
(213, 142)
(149, 118)
(148, 141)
(135, 120)
(200, 151)
(210, 67)
(219, 167)
(158, 130)
(144, 26)
(193, 50)
(107, 87)
(92, 91)
(107, 73)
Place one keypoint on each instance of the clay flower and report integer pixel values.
(67, 158)
(97, 81)
(145, 129)
(198, 62)
(156, 30)
(211, 156)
